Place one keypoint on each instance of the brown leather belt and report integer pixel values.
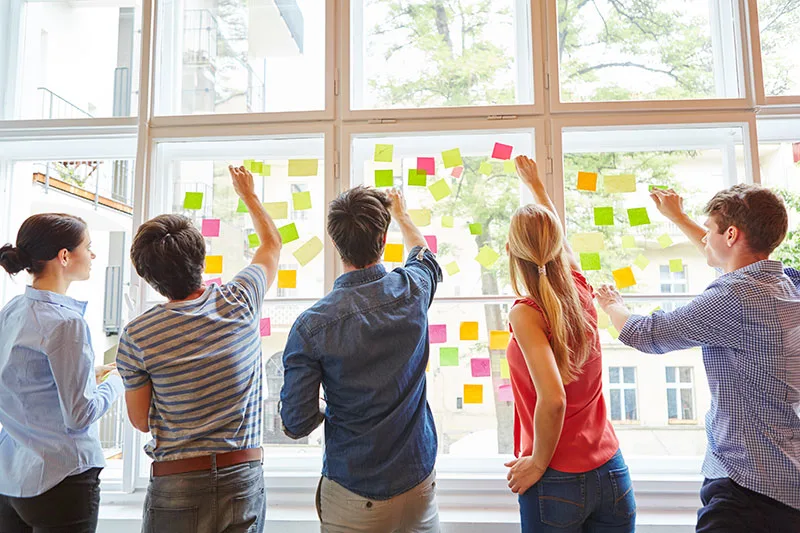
(195, 464)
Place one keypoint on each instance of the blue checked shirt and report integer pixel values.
(748, 325)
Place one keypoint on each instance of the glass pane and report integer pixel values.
(429, 53)
(237, 57)
(630, 404)
(779, 22)
(628, 374)
(672, 404)
(686, 374)
(613, 374)
(616, 404)
(670, 374)
(687, 407)
(473, 211)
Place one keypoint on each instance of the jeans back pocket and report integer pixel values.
(624, 500)
(165, 520)
(562, 499)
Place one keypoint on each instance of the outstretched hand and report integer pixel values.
(668, 202)
(608, 296)
(528, 171)
(242, 181)
(397, 208)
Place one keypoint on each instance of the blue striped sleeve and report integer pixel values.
(130, 365)
(250, 286)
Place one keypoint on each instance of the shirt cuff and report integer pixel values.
(115, 383)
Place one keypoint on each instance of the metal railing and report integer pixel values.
(110, 425)
(55, 106)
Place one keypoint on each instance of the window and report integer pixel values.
(622, 393)
(779, 23)
(680, 394)
(673, 282)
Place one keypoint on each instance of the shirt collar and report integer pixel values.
(56, 299)
(360, 276)
(766, 265)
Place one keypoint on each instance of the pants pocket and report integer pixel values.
(164, 520)
(622, 486)
(562, 499)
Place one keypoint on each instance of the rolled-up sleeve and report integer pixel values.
(302, 376)
(423, 264)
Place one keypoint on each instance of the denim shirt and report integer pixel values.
(367, 344)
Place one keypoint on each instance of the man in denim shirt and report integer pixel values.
(367, 344)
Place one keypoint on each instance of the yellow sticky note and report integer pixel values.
(277, 210)
(452, 158)
(498, 340)
(613, 332)
(383, 153)
(624, 278)
(440, 190)
(485, 168)
(473, 393)
(420, 217)
(676, 265)
(665, 241)
(587, 181)
(306, 253)
(303, 167)
(301, 200)
(641, 262)
(213, 264)
(487, 257)
(448, 221)
(393, 253)
(628, 242)
(452, 268)
(588, 242)
(620, 183)
(287, 279)
(468, 331)
(603, 320)
(509, 167)
(505, 372)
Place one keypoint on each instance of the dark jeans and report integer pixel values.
(731, 508)
(598, 501)
(69, 507)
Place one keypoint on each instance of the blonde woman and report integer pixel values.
(569, 473)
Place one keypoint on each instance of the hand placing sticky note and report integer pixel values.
(288, 233)
(384, 153)
(393, 253)
(301, 200)
(437, 333)
(241, 207)
(306, 253)
(487, 257)
(504, 393)
(628, 242)
(603, 216)
(277, 210)
(457, 172)
(448, 221)
(257, 167)
(590, 261)
(266, 170)
(417, 177)
(452, 158)
(661, 187)
(193, 201)
(505, 372)
(641, 262)
(213, 264)
(638, 216)
(265, 327)
(433, 243)
(420, 217)
(498, 340)
(485, 168)
(428, 164)
(452, 268)
(587, 181)
(623, 278)
(210, 227)
(502, 151)
(440, 190)
(248, 164)
(303, 167)
(253, 241)
(475, 229)
(384, 178)
(287, 279)
(448, 356)
(588, 242)
(473, 394)
(676, 265)
(468, 331)
(481, 367)
(665, 241)
(620, 183)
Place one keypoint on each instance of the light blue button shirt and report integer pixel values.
(49, 401)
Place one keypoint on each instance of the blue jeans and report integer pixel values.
(228, 500)
(598, 501)
(729, 507)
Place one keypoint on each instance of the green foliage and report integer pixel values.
(789, 251)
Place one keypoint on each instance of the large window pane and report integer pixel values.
(779, 22)
(432, 53)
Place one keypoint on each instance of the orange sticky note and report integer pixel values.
(624, 278)
(587, 181)
(469, 331)
(287, 279)
(393, 253)
(498, 340)
(213, 264)
(473, 393)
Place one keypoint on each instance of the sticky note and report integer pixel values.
(505, 394)
(393, 253)
(509, 167)
(428, 164)
(303, 167)
(448, 221)
(287, 279)
(248, 164)
(603, 320)
(433, 243)
(256, 167)
(440, 190)
(665, 241)
(452, 268)
(457, 171)
(452, 158)
(277, 210)
(468, 331)
(587, 181)
(437, 333)
(265, 327)
(384, 178)
(638, 216)
(301, 200)
(662, 187)
(588, 242)
(212, 281)
(498, 340)
(628, 242)
(213, 264)
(476, 229)
(485, 168)
(641, 262)
(613, 332)
(417, 177)
(502, 151)
(620, 183)
(193, 201)
(210, 227)
(590, 261)
(266, 170)
(448, 356)
(481, 367)
(306, 253)
(288, 233)
(623, 278)
(420, 217)
(473, 393)
(655, 309)
(487, 257)
(505, 372)
(253, 241)
(676, 265)
(603, 216)
(383, 153)
(241, 207)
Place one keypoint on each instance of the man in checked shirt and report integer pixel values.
(748, 325)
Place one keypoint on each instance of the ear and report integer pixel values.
(733, 235)
(63, 257)
(385, 235)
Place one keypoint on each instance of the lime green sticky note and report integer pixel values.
(288, 233)
(509, 167)
(452, 268)
(440, 190)
(452, 158)
(662, 187)
(620, 183)
(248, 164)
(603, 320)
(476, 229)
(253, 241)
(485, 168)
(193, 200)
(613, 332)
(655, 309)
(417, 177)
(628, 242)
(448, 221)
(257, 167)
(308, 251)
(603, 216)
(638, 216)
(301, 200)
(277, 210)
(665, 241)
(588, 242)
(241, 208)
(384, 178)
(303, 167)
(420, 217)
(487, 257)
(383, 153)
(676, 265)
(266, 170)
(448, 356)
(641, 262)
(590, 261)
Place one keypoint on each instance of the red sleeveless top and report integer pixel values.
(587, 439)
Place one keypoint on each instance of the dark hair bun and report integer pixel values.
(13, 260)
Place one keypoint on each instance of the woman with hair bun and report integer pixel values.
(51, 395)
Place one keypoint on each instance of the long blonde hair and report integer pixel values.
(535, 240)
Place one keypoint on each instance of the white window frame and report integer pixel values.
(622, 387)
(679, 386)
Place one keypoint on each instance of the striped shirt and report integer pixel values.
(203, 358)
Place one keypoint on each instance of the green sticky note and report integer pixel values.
(590, 261)
(656, 308)
(301, 200)
(641, 262)
(588, 242)
(277, 210)
(248, 164)
(485, 168)
(452, 158)
(476, 229)
(384, 178)
(266, 170)
(448, 221)
(308, 251)
(487, 257)
(662, 187)
(638, 216)
(383, 153)
(303, 167)
(440, 190)
(676, 265)
(417, 177)
(288, 233)
(241, 208)
(509, 167)
(193, 200)
(448, 356)
(613, 332)
(665, 241)
(420, 217)
(452, 268)
(620, 183)
(253, 241)
(603, 216)
(628, 242)
(257, 167)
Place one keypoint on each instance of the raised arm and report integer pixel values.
(670, 204)
(411, 235)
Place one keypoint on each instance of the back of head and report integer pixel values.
(536, 242)
(756, 211)
(169, 253)
(357, 224)
(39, 240)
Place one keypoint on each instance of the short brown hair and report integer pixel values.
(357, 224)
(169, 253)
(757, 211)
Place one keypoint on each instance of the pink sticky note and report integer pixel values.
(457, 171)
(438, 333)
(211, 281)
(428, 164)
(505, 394)
(481, 367)
(265, 327)
(210, 227)
(433, 244)
(502, 151)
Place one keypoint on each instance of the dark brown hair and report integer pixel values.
(357, 224)
(169, 253)
(757, 211)
(39, 240)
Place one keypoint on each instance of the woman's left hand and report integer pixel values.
(100, 372)
(523, 474)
